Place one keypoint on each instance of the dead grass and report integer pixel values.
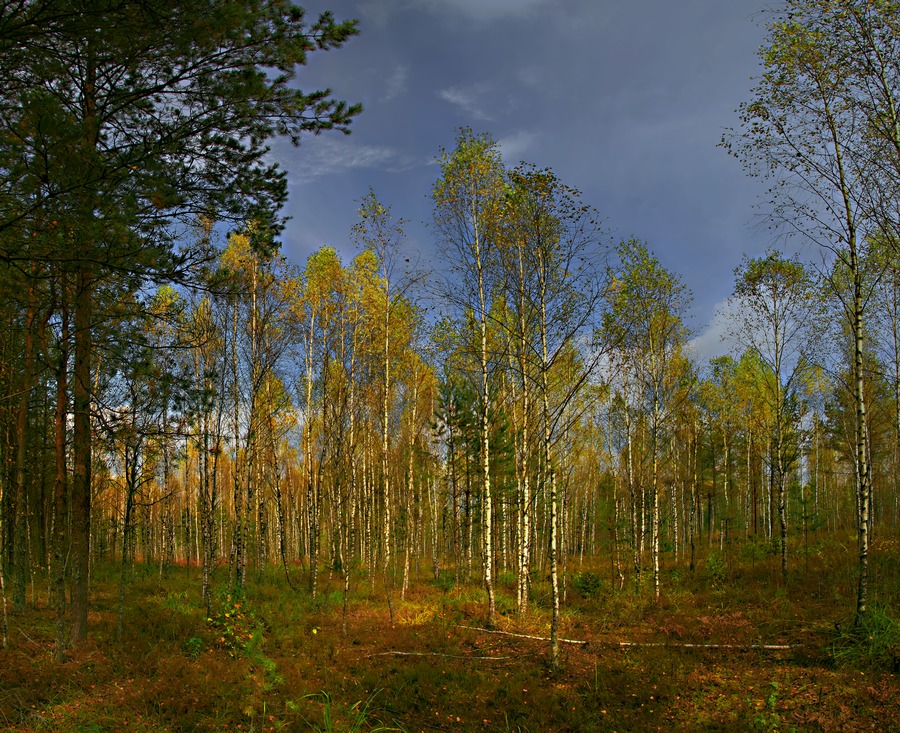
(428, 672)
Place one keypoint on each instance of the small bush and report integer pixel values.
(233, 625)
(588, 584)
(716, 571)
(193, 646)
(767, 718)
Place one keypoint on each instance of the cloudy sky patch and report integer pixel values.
(396, 83)
(473, 101)
(517, 146)
(485, 10)
(625, 101)
(326, 156)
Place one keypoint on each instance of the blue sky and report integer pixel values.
(625, 100)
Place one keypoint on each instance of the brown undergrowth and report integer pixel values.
(274, 660)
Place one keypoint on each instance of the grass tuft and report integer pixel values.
(872, 641)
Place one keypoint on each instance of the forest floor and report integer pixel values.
(725, 648)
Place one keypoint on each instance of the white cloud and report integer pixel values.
(396, 83)
(322, 157)
(715, 340)
(469, 99)
(514, 146)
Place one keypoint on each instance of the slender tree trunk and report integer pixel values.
(255, 498)
(862, 464)
(550, 470)
(80, 538)
(751, 486)
(279, 511)
(554, 560)
(654, 499)
(410, 482)
(677, 498)
(632, 494)
(488, 544)
(454, 492)
(433, 500)
(81, 454)
(895, 339)
(617, 557)
(3, 600)
(206, 511)
(20, 499)
(524, 584)
(312, 529)
(692, 521)
(347, 559)
(238, 553)
(131, 459)
(385, 455)
(60, 493)
(781, 477)
(524, 443)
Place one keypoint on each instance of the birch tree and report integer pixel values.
(647, 304)
(776, 305)
(823, 126)
(468, 205)
(378, 231)
(557, 288)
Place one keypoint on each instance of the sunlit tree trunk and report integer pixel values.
(863, 477)
(654, 494)
(311, 515)
(238, 553)
(487, 515)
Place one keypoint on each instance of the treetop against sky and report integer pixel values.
(624, 101)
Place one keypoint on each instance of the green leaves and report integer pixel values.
(157, 114)
(647, 302)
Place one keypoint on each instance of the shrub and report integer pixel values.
(715, 569)
(233, 625)
(588, 584)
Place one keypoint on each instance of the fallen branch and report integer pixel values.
(524, 636)
(30, 639)
(429, 654)
(687, 645)
(682, 645)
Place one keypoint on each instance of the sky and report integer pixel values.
(626, 100)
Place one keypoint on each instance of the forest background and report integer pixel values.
(177, 397)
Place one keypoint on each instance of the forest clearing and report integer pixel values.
(721, 650)
(491, 480)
